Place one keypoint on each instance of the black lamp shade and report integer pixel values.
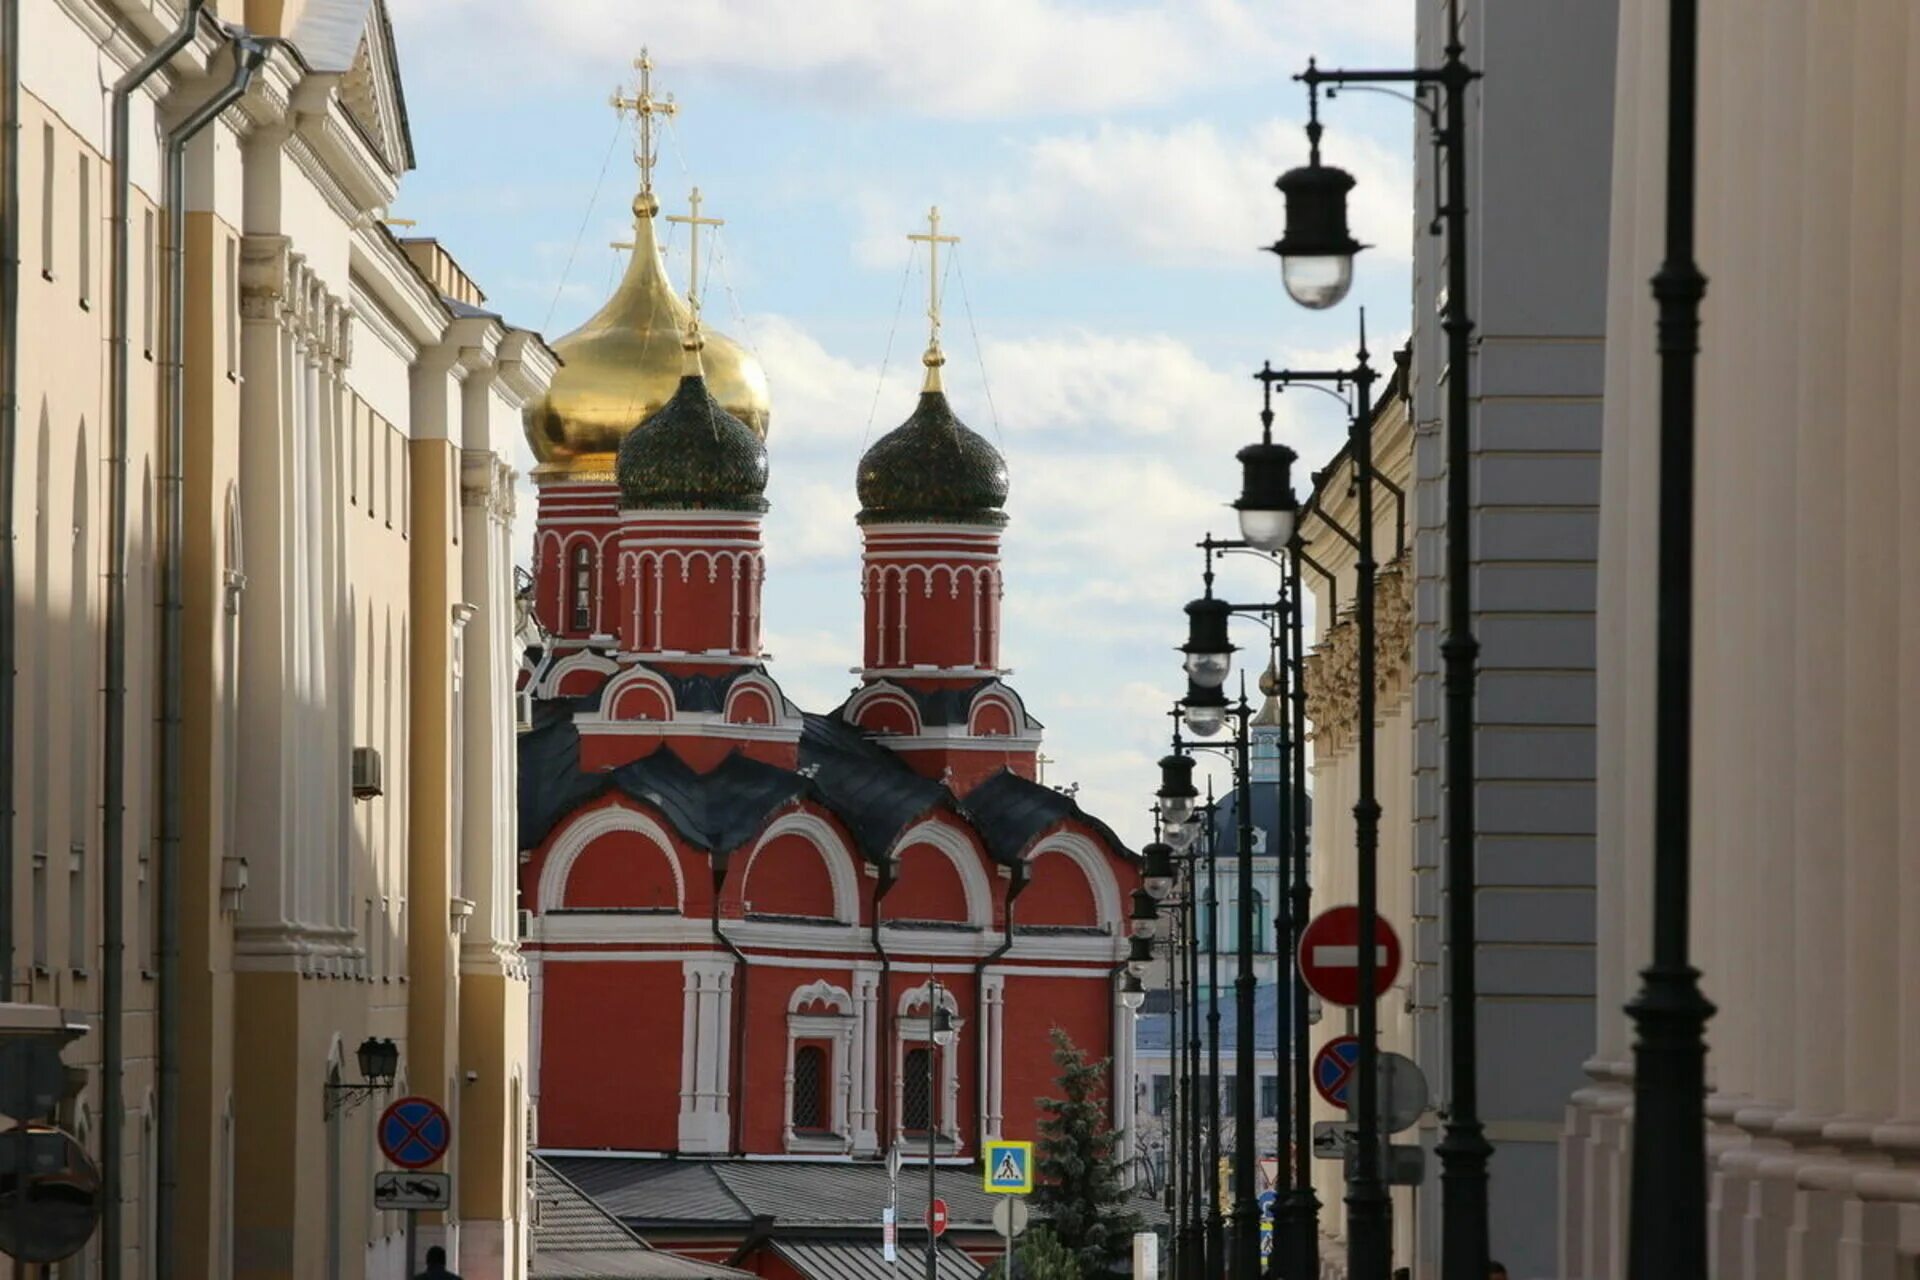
(941, 1024)
(1266, 503)
(1145, 910)
(379, 1060)
(1159, 860)
(1206, 709)
(1316, 252)
(1139, 949)
(1207, 626)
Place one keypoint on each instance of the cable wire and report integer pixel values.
(586, 218)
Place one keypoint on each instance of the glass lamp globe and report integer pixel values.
(1205, 721)
(1266, 530)
(1317, 282)
(1208, 670)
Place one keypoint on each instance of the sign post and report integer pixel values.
(1010, 1220)
(414, 1133)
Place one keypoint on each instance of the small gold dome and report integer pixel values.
(623, 365)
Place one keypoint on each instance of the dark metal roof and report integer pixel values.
(1153, 1030)
(692, 453)
(575, 1238)
(953, 704)
(932, 467)
(650, 1194)
(868, 787)
(655, 1192)
(1011, 812)
(864, 1260)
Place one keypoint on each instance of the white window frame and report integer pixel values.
(835, 1025)
(912, 1030)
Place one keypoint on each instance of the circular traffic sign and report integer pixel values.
(1330, 955)
(1333, 1069)
(414, 1132)
(1010, 1216)
(1402, 1098)
(50, 1194)
(937, 1217)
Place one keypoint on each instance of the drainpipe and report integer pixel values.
(114, 718)
(248, 55)
(737, 1009)
(883, 1082)
(9, 426)
(1014, 889)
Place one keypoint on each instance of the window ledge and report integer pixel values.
(818, 1143)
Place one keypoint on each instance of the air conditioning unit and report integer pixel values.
(526, 923)
(523, 706)
(366, 773)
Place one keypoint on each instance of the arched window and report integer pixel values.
(1262, 939)
(812, 1110)
(583, 587)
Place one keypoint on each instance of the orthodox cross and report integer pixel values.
(644, 105)
(694, 222)
(933, 240)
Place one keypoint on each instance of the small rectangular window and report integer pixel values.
(39, 910)
(353, 452)
(916, 1091)
(46, 201)
(1269, 1097)
(86, 232)
(810, 1109)
(150, 299)
(233, 309)
(77, 955)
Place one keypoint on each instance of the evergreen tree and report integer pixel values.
(1081, 1188)
(1038, 1256)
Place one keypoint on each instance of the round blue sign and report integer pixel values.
(1333, 1069)
(414, 1132)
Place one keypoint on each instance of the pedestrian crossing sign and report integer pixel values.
(1009, 1167)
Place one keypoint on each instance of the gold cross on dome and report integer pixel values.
(694, 221)
(644, 105)
(933, 240)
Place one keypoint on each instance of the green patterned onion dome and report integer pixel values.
(693, 454)
(933, 468)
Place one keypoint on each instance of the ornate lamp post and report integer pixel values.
(1667, 1219)
(1312, 251)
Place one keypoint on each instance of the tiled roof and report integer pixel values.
(864, 1260)
(575, 1238)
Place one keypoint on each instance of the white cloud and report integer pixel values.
(1185, 195)
(953, 58)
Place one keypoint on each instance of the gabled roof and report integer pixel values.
(872, 790)
(866, 1260)
(371, 90)
(1010, 812)
(574, 1237)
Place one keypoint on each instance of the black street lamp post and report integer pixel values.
(1317, 248)
(1667, 1219)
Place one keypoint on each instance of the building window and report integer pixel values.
(1269, 1097)
(916, 1091)
(46, 202)
(86, 232)
(233, 309)
(1162, 1094)
(811, 1111)
(583, 588)
(77, 956)
(39, 910)
(150, 308)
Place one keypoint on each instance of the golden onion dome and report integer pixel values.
(623, 366)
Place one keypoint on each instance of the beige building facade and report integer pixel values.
(1806, 784)
(345, 667)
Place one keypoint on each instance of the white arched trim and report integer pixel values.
(581, 659)
(583, 831)
(821, 992)
(883, 691)
(630, 678)
(997, 696)
(919, 998)
(965, 859)
(832, 849)
(1093, 864)
(776, 705)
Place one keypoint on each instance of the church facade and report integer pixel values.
(747, 923)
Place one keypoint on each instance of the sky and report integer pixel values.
(1109, 167)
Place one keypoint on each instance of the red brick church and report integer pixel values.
(739, 915)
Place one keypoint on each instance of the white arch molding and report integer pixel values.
(1093, 864)
(833, 851)
(578, 660)
(583, 831)
(884, 691)
(612, 691)
(965, 859)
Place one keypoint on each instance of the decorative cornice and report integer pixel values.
(1332, 669)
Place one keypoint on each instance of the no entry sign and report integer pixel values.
(1333, 1069)
(1330, 956)
(937, 1217)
